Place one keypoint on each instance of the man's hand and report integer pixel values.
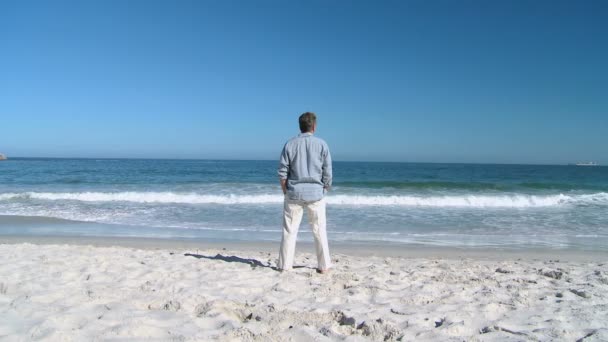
(284, 186)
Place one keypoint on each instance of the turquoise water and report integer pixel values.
(518, 206)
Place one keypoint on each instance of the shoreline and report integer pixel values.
(352, 249)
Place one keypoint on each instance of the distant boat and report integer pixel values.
(586, 164)
(3, 157)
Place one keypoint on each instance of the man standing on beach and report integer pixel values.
(305, 175)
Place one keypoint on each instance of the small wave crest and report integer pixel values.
(145, 197)
(471, 186)
(473, 201)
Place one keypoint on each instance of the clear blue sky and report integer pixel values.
(423, 81)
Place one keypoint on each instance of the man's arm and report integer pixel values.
(283, 169)
(327, 171)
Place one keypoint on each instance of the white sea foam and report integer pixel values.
(517, 201)
(473, 201)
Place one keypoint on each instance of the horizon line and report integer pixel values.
(269, 160)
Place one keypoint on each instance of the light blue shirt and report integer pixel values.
(306, 164)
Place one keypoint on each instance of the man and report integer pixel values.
(305, 176)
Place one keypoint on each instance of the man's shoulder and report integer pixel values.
(292, 140)
(299, 138)
(320, 141)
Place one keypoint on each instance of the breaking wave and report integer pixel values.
(472, 200)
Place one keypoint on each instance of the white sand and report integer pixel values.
(86, 293)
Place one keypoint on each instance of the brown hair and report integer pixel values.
(307, 121)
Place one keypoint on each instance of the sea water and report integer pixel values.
(461, 205)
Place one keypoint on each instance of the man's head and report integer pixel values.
(308, 122)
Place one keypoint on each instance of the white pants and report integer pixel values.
(292, 216)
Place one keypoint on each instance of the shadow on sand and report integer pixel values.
(233, 258)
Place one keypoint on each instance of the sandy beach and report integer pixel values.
(87, 291)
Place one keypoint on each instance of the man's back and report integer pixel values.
(306, 164)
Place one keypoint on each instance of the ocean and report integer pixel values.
(458, 205)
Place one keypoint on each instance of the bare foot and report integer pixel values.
(323, 271)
